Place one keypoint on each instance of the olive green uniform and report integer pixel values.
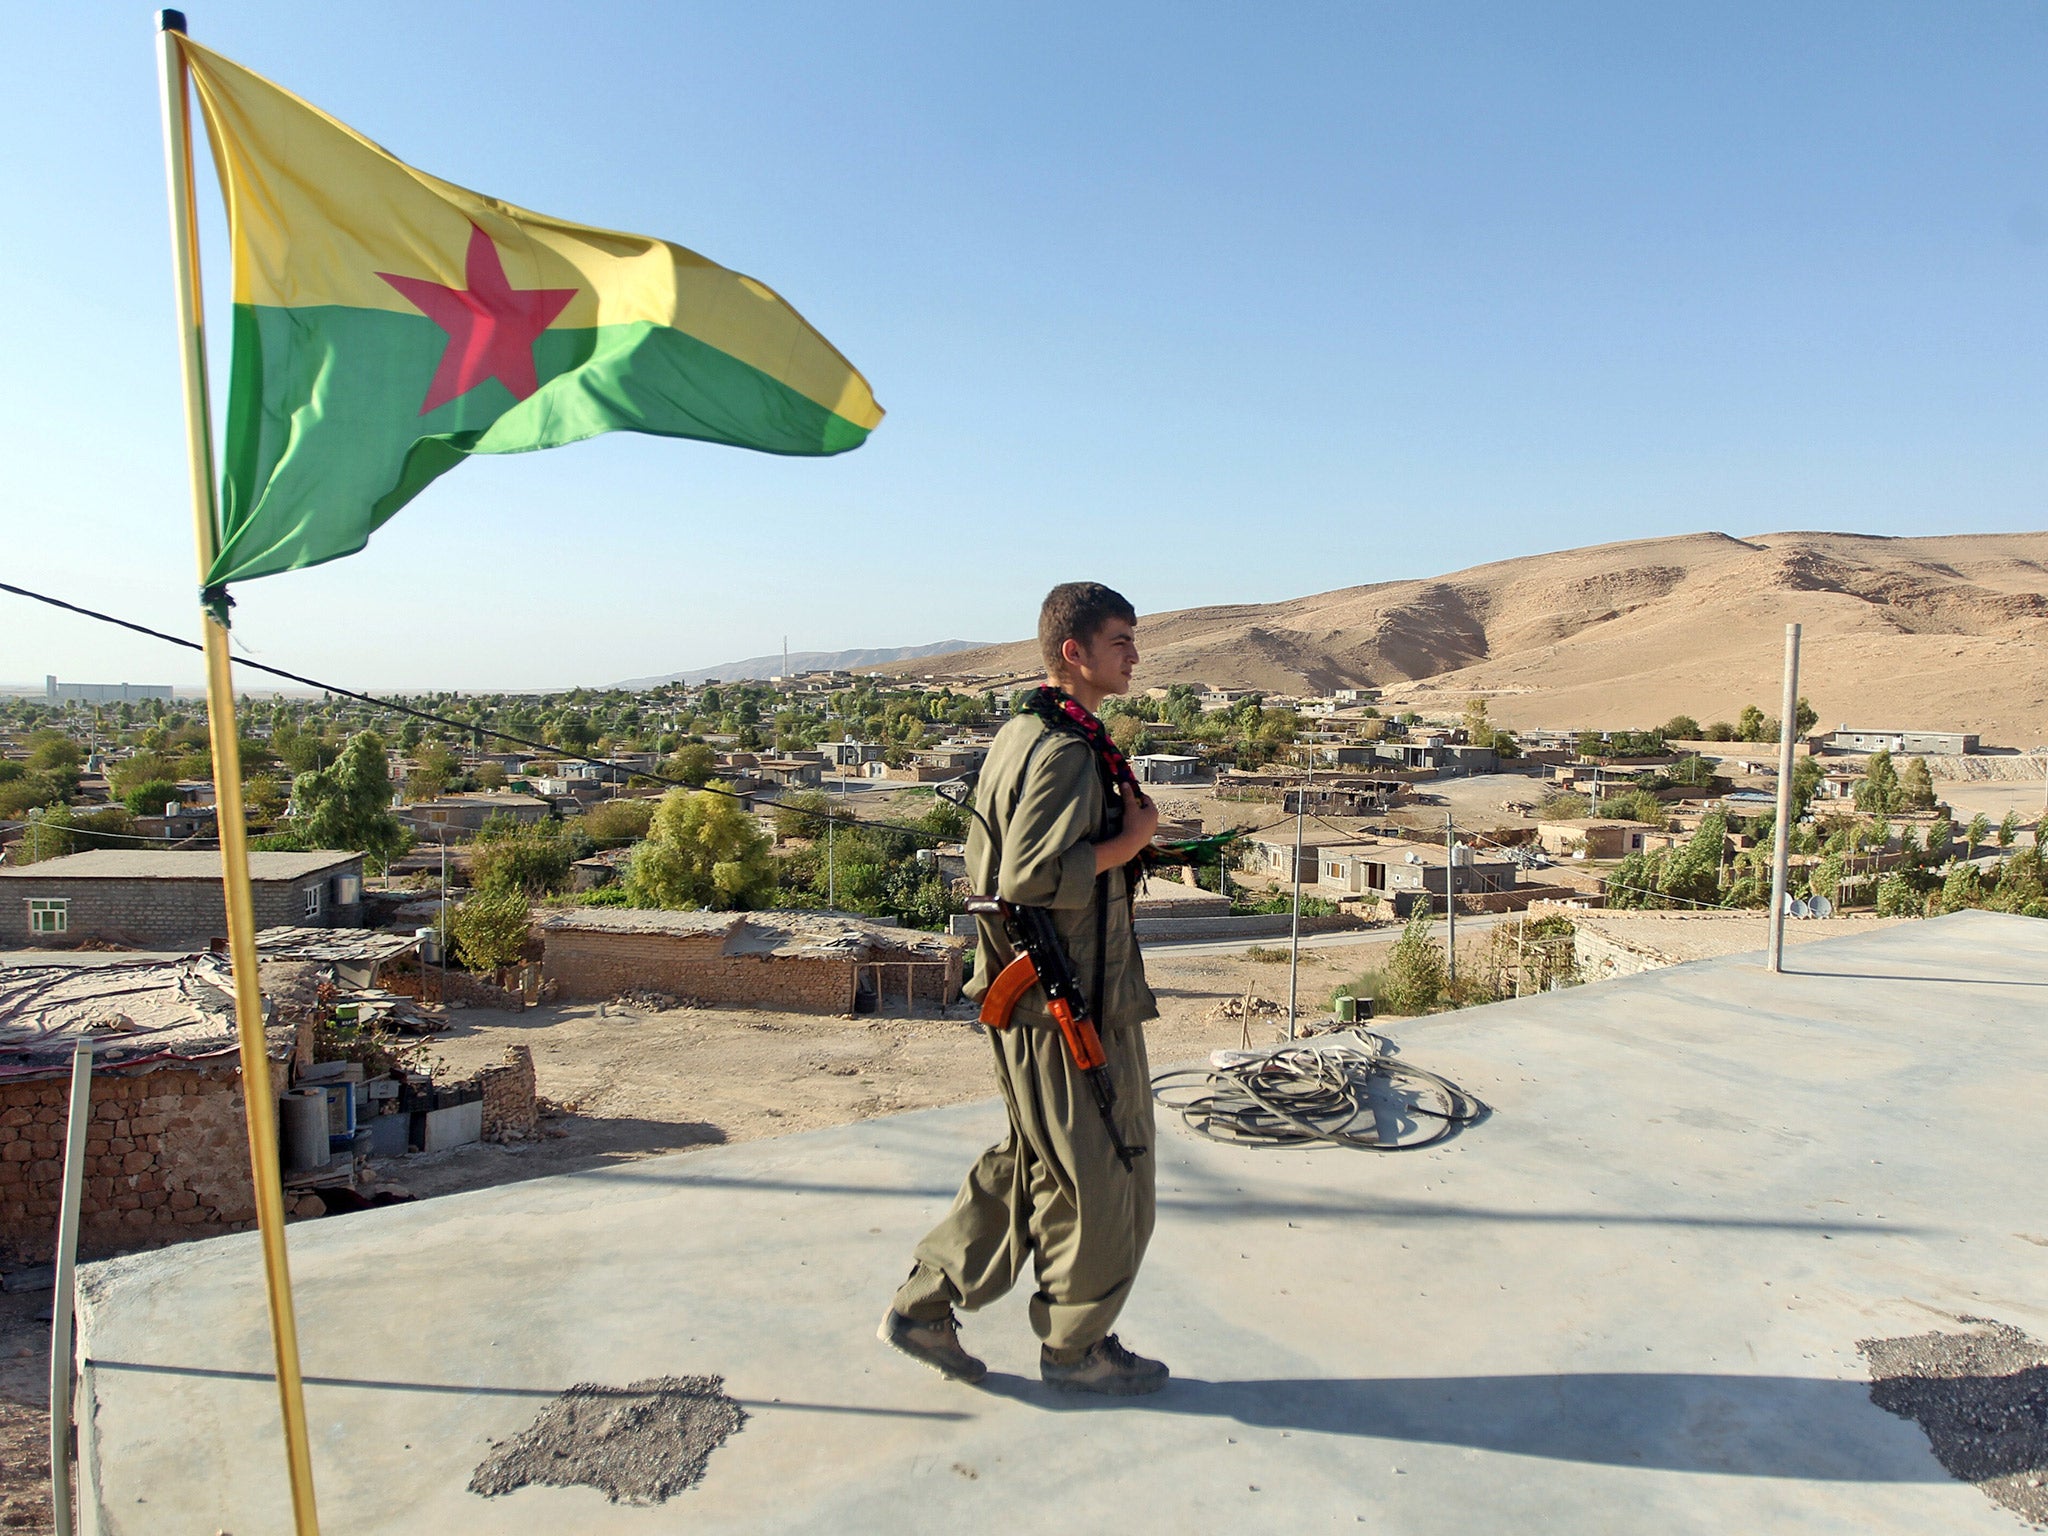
(1052, 1192)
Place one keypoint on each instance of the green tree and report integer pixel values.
(693, 763)
(1897, 897)
(1825, 880)
(491, 929)
(1750, 724)
(615, 823)
(51, 751)
(1804, 718)
(1807, 774)
(1633, 805)
(1939, 836)
(1916, 786)
(1720, 730)
(1592, 744)
(262, 799)
(702, 850)
(1692, 772)
(1416, 977)
(2021, 886)
(348, 803)
(1682, 728)
(144, 767)
(1478, 729)
(432, 771)
(2009, 829)
(803, 814)
(1692, 874)
(1976, 834)
(47, 836)
(1962, 890)
(1878, 792)
(528, 859)
(1637, 881)
(149, 797)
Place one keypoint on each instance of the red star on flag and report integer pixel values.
(491, 325)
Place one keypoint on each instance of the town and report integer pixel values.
(1454, 941)
(781, 843)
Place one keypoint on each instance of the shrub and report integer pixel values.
(490, 929)
(529, 861)
(150, 797)
(1416, 976)
(1896, 897)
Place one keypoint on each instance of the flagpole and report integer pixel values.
(259, 1096)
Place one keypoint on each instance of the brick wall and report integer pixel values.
(932, 984)
(175, 914)
(588, 967)
(167, 1158)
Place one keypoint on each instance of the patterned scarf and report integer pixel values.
(1060, 710)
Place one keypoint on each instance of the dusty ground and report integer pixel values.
(645, 1082)
(25, 1411)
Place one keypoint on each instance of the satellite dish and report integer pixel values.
(1822, 907)
(1799, 909)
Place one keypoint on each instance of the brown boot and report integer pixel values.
(936, 1344)
(1105, 1367)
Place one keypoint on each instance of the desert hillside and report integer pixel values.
(1936, 633)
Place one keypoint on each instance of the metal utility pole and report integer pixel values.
(442, 946)
(1294, 939)
(831, 867)
(1781, 834)
(1451, 898)
(63, 1354)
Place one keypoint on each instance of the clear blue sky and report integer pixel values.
(1212, 302)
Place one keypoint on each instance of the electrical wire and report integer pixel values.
(467, 727)
(472, 728)
(1320, 1093)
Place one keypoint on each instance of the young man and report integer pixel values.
(1068, 824)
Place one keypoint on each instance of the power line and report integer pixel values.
(467, 727)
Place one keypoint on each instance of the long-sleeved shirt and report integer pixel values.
(1042, 793)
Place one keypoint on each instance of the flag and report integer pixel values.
(387, 324)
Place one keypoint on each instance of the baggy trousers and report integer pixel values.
(1051, 1192)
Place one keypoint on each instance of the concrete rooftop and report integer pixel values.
(1627, 1302)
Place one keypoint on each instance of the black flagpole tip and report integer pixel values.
(170, 21)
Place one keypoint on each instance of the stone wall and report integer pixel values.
(511, 1108)
(588, 966)
(167, 1158)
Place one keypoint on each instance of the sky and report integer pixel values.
(1215, 303)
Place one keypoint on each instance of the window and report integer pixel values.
(49, 914)
(312, 895)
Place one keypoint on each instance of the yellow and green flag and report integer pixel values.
(388, 323)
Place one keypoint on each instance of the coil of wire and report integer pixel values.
(1319, 1092)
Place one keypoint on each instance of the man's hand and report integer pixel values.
(1141, 820)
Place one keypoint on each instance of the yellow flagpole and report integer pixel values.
(258, 1093)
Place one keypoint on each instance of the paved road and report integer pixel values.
(1315, 940)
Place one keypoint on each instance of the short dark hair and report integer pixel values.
(1077, 610)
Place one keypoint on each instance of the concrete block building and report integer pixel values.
(170, 898)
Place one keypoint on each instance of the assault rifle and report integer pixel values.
(1042, 961)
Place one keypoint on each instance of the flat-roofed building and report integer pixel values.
(1902, 743)
(1595, 837)
(170, 898)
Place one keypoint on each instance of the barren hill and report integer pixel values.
(1935, 633)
